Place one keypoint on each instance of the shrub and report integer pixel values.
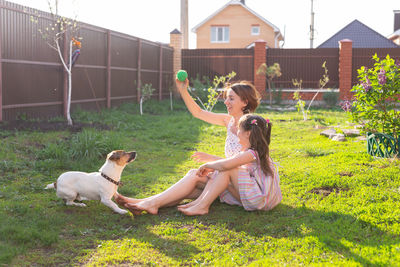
(213, 91)
(200, 87)
(331, 98)
(89, 144)
(376, 97)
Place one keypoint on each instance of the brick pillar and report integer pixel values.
(176, 43)
(345, 68)
(260, 57)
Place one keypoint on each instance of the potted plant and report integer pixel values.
(376, 106)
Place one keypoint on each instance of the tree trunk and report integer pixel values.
(141, 104)
(270, 92)
(69, 85)
(170, 99)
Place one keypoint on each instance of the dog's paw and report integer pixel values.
(122, 212)
(81, 204)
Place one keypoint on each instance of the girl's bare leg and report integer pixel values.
(176, 193)
(193, 195)
(199, 198)
(211, 192)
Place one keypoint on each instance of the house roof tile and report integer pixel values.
(361, 35)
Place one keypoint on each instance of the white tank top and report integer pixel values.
(232, 145)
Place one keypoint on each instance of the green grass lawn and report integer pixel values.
(356, 224)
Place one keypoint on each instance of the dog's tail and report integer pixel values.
(53, 185)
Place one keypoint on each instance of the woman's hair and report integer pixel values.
(247, 93)
(260, 138)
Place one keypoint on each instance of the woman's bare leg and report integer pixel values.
(172, 195)
(212, 191)
(123, 200)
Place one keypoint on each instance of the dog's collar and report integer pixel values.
(111, 180)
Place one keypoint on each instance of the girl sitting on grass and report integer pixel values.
(248, 179)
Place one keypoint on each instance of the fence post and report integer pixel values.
(260, 57)
(139, 67)
(345, 68)
(175, 41)
(160, 74)
(1, 79)
(65, 76)
(108, 95)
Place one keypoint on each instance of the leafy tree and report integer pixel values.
(270, 72)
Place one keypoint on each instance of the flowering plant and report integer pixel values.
(377, 97)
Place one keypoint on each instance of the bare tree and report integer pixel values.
(66, 30)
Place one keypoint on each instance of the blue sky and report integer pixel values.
(155, 19)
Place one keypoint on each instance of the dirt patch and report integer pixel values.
(47, 126)
(327, 190)
(349, 174)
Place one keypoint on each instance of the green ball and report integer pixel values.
(181, 75)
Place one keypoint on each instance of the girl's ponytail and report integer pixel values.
(260, 138)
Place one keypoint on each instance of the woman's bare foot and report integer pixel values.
(133, 210)
(195, 210)
(122, 200)
(147, 205)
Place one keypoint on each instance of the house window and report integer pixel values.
(219, 34)
(255, 30)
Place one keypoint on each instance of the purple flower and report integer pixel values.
(397, 62)
(366, 85)
(382, 77)
(346, 105)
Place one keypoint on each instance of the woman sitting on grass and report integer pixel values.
(248, 179)
(240, 98)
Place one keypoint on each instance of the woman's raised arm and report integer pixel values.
(197, 112)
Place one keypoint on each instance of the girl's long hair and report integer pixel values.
(260, 138)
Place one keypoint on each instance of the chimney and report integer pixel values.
(396, 20)
(242, 1)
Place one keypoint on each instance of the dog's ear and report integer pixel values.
(116, 155)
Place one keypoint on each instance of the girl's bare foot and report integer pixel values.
(188, 205)
(195, 210)
(143, 206)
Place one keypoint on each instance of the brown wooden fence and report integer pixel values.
(219, 62)
(108, 72)
(305, 65)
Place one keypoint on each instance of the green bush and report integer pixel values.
(200, 86)
(376, 97)
(277, 94)
(88, 144)
(331, 98)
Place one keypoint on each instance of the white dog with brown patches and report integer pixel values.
(100, 185)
